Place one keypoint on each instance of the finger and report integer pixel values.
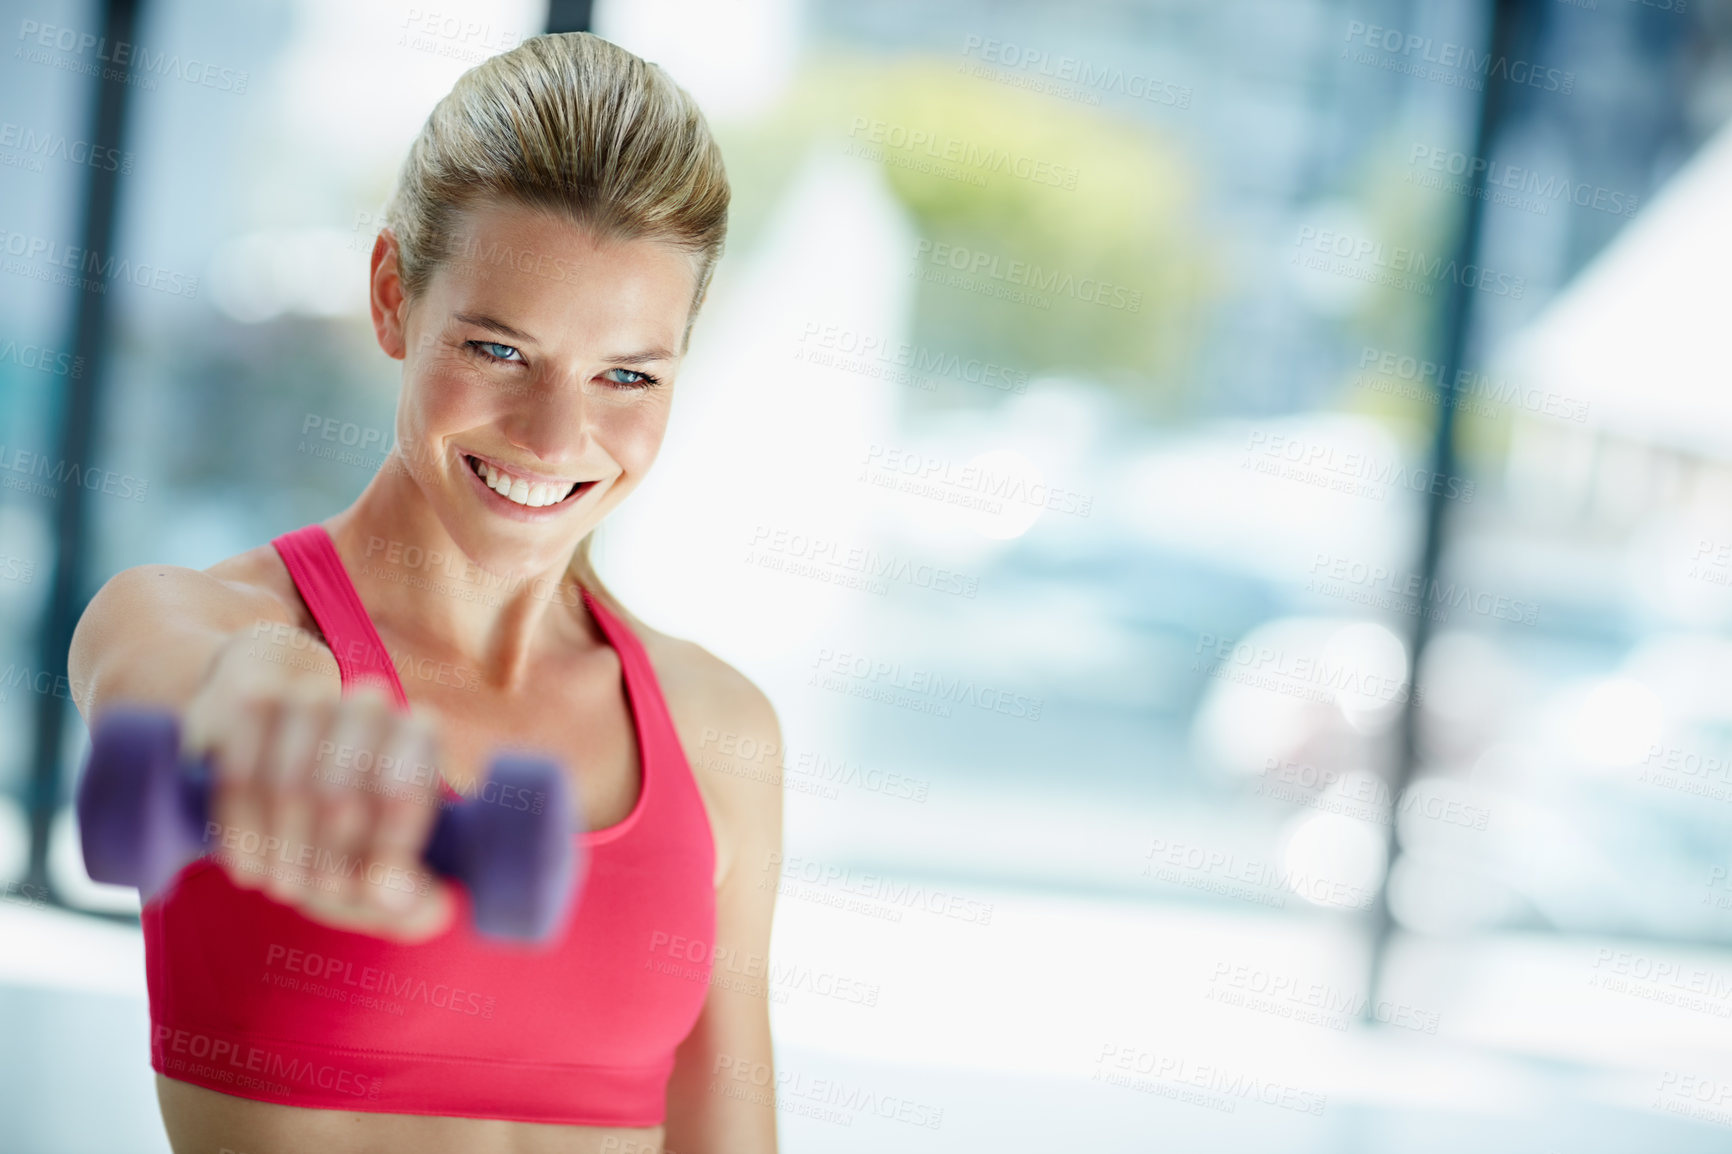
(239, 805)
(373, 689)
(430, 914)
(287, 768)
(403, 816)
(341, 810)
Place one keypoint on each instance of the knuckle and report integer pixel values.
(334, 818)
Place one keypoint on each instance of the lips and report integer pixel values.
(524, 488)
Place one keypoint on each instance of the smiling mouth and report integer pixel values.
(517, 490)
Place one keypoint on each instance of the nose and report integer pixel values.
(550, 422)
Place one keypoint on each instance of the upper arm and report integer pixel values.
(721, 1094)
(151, 631)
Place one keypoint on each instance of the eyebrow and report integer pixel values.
(493, 324)
(643, 358)
(486, 322)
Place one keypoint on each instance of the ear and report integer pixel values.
(390, 307)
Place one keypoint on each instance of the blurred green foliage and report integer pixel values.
(1406, 215)
(1129, 217)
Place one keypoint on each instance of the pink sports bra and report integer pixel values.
(250, 998)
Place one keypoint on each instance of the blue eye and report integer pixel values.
(638, 380)
(495, 351)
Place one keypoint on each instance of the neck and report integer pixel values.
(417, 582)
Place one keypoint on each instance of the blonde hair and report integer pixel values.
(576, 126)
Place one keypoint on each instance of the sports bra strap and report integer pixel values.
(318, 573)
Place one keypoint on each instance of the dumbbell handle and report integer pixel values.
(144, 813)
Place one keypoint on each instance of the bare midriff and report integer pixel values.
(201, 1121)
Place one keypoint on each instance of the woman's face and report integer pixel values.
(538, 368)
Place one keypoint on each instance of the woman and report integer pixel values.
(548, 245)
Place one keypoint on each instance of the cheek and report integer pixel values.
(443, 396)
(634, 435)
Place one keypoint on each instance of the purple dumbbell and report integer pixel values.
(143, 814)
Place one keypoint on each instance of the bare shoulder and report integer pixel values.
(150, 631)
(731, 736)
(234, 591)
(706, 688)
(229, 593)
(260, 575)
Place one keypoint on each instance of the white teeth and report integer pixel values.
(518, 490)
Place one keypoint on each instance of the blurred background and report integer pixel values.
(1230, 501)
